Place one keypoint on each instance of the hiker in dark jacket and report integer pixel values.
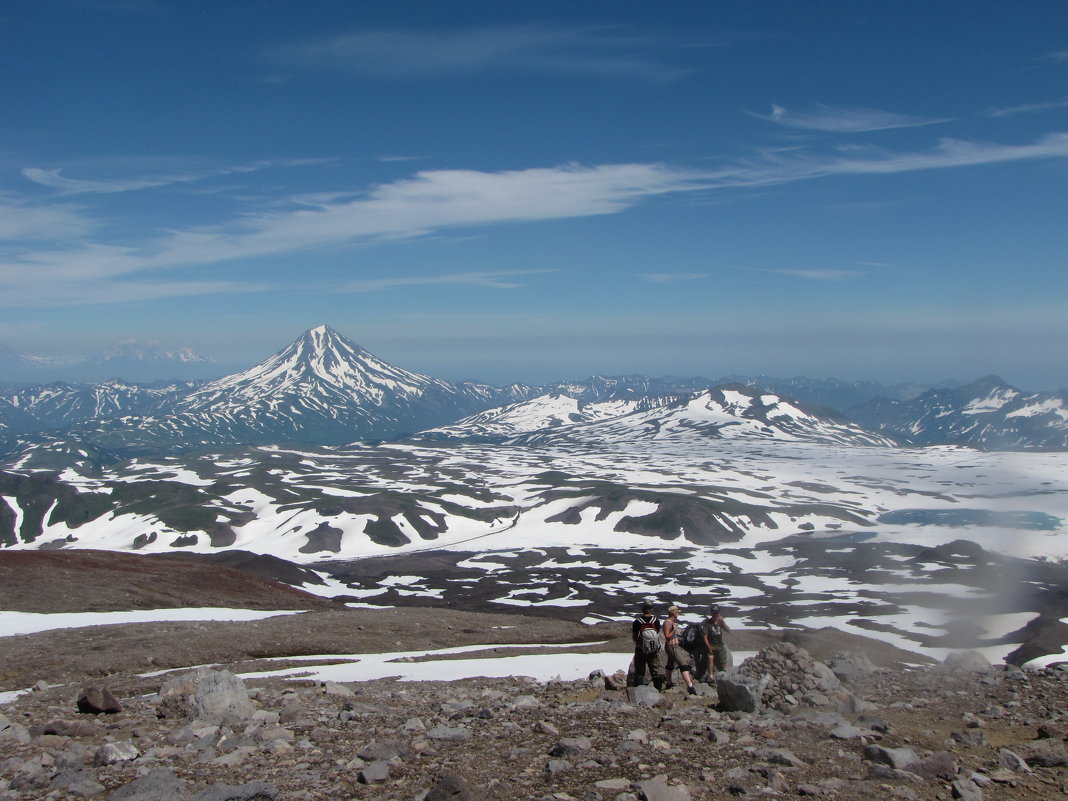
(643, 660)
(714, 629)
(676, 654)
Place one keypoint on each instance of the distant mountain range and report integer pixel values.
(323, 389)
(987, 414)
(129, 362)
(726, 412)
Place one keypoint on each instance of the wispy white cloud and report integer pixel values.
(1057, 55)
(1029, 108)
(774, 167)
(494, 279)
(844, 120)
(671, 278)
(74, 186)
(427, 53)
(20, 221)
(429, 202)
(414, 207)
(816, 275)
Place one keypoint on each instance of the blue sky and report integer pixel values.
(509, 191)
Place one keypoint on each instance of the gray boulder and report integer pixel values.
(384, 750)
(966, 790)
(570, 746)
(1045, 753)
(966, 662)
(658, 789)
(896, 758)
(450, 787)
(220, 697)
(113, 753)
(251, 791)
(644, 695)
(98, 701)
(158, 785)
(10, 730)
(449, 733)
(78, 782)
(738, 693)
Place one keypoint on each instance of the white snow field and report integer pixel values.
(16, 623)
(794, 533)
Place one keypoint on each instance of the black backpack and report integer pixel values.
(692, 638)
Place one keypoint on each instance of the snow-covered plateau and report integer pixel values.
(929, 548)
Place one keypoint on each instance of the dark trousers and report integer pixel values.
(643, 661)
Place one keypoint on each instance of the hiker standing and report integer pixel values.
(676, 654)
(645, 631)
(715, 627)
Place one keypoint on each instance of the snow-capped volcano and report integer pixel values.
(318, 371)
(322, 389)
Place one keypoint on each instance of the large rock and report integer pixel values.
(571, 746)
(98, 701)
(450, 787)
(114, 753)
(1045, 753)
(658, 789)
(850, 665)
(644, 695)
(251, 791)
(896, 758)
(738, 693)
(384, 750)
(966, 662)
(10, 730)
(158, 785)
(221, 697)
(78, 782)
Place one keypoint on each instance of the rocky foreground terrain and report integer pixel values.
(117, 714)
(961, 730)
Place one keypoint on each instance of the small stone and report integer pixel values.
(554, 766)
(966, 790)
(114, 753)
(449, 733)
(848, 732)
(1010, 760)
(384, 750)
(612, 784)
(377, 771)
(333, 688)
(570, 746)
(780, 756)
(969, 737)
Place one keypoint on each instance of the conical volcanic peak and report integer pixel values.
(322, 364)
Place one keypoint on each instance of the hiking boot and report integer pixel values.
(691, 690)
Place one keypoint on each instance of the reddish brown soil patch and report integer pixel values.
(102, 581)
